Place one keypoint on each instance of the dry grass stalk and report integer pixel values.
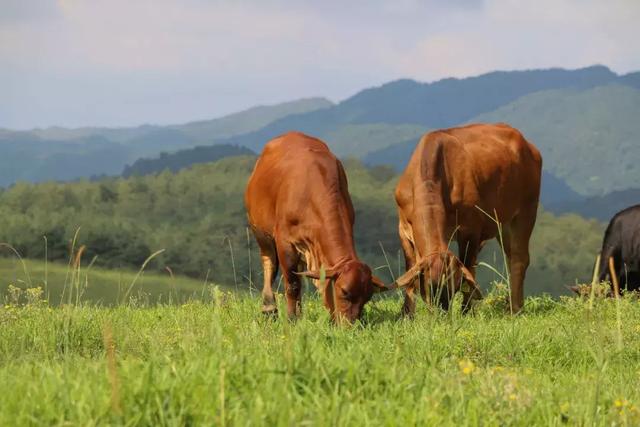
(110, 347)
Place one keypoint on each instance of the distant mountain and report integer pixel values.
(183, 159)
(631, 79)
(206, 131)
(584, 121)
(25, 157)
(65, 154)
(602, 208)
(588, 138)
(424, 105)
(553, 190)
(200, 132)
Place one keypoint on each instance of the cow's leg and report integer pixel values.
(516, 246)
(269, 258)
(468, 250)
(289, 259)
(409, 306)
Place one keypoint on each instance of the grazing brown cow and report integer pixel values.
(300, 211)
(455, 185)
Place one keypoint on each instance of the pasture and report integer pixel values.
(215, 360)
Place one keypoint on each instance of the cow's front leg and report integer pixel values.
(289, 259)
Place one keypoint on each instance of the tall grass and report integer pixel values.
(208, 357)
(220, 362)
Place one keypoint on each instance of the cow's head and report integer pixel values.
(443, 274)
(347, 289)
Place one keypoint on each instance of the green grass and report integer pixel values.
(219, 361)
(62, 284)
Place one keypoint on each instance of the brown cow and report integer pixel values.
(457, 183)
(300, 211)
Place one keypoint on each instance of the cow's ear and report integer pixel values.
(407, 278)
(575, 288)
(378, 285)
(468, 277)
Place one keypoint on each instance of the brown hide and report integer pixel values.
(458, 182)
(300, 211)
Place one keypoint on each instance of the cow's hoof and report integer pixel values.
(409, 315)
(269, 310)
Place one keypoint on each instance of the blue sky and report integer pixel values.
(128, 62)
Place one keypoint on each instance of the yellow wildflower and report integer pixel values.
(466, 366)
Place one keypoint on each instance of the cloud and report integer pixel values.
(131, 61)
(520, 35)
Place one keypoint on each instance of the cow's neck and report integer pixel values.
(430, 226)
(335, 239)
(430, 233)
(336, 246)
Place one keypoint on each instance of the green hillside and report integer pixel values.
(589, 138)
(63, 284)
(198, 217)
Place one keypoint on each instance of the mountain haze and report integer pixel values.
(65, 154)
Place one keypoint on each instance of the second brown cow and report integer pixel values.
(458, 186)
(300, 211)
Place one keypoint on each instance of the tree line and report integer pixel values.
(197, 216)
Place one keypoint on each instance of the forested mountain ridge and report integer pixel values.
(183, 159)
(588, 138)
(443, 103)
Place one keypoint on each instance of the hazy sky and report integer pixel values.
(127, 62)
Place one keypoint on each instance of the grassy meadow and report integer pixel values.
(213, 359)
(71, 284)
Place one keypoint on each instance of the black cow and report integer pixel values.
(622, 243)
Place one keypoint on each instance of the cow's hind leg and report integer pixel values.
(269, 259)
(516, 246)
(468, 250)
(289, 259)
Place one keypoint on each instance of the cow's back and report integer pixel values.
(293, 172)
(491, 167)
(622, 239)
